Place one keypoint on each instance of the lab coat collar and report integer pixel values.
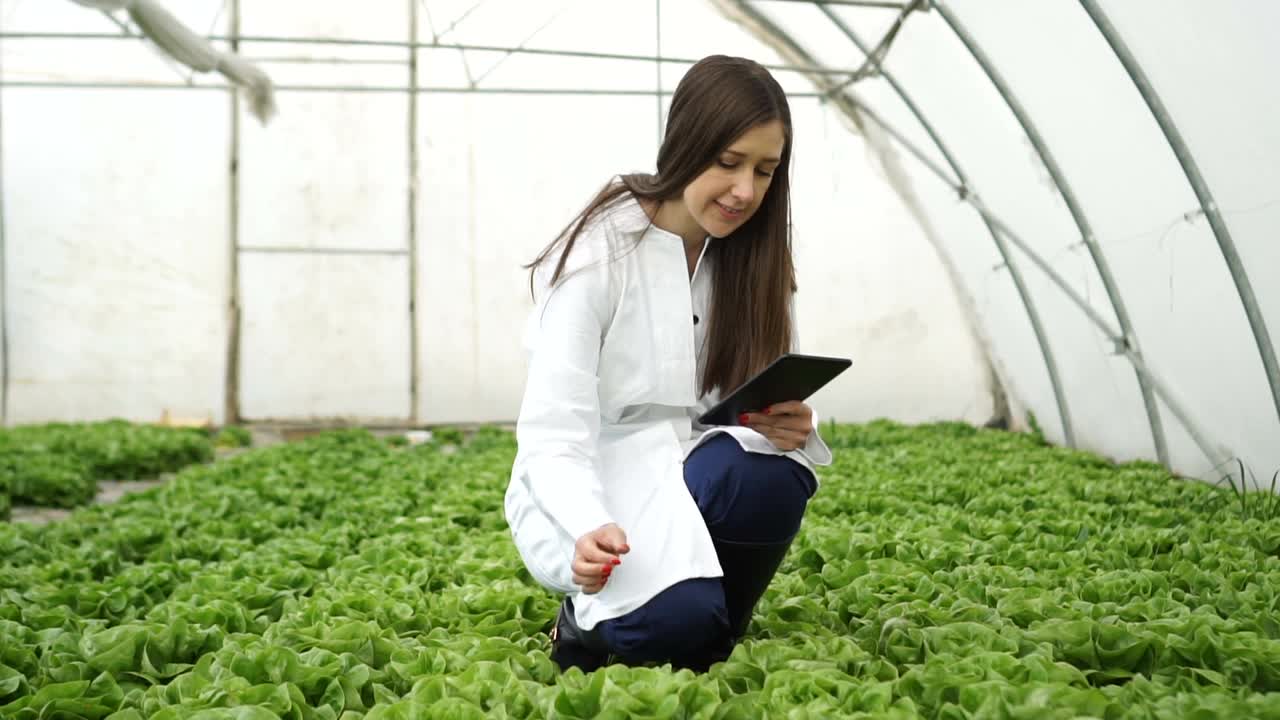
(629, 217)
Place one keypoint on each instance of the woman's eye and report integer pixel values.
(732, 164)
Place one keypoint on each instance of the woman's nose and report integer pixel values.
(744, 187)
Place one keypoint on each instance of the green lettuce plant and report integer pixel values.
(942, 572)
(60, 464)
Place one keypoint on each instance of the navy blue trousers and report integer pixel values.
(744, 497)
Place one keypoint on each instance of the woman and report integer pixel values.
(664, 292)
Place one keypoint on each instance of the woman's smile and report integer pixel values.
(729, 213)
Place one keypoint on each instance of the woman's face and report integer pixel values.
(730, 191)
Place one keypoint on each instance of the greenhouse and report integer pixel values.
(274, 367)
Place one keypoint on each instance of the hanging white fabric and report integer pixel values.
(188, 48)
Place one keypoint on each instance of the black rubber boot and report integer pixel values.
(748, 569)
(571, 646)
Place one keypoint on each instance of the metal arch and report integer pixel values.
(1015, 273)
(1217, 454)
(782, 42)
(1130, 344)
(1207, 205)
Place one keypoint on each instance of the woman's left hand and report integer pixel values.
(786, 424)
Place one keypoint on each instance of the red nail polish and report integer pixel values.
(616, 561)
(742, 419)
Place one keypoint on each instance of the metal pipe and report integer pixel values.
(741, 12)
(4, 279)
(413, 215)
(523, 42)
(886, 4)
(810, 69)
(284, 250)
(1252, 310)
(231, 398)
(657, 66)
(459, 20)
(1214, 452)
(873, 59)
(1015, 273)
(1130, 340)
(355, 89)
(299, 59)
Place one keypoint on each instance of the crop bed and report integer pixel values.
(60, 464)
(942, 572)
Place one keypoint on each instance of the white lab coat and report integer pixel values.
(609, 414)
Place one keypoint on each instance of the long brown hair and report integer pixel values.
(718, 100)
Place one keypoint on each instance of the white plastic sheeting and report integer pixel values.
(502, 175)
(115, 255)
(323, 337)
(324, 214)
(1187, 316)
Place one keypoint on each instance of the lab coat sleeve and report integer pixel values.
(815, 450)
(559, 423)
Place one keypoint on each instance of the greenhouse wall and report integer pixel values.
(119, 239)
(358, 258)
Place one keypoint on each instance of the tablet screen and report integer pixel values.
(790, 377)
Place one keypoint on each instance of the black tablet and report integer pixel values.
(790, 377)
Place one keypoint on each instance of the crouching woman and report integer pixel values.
(666, 290)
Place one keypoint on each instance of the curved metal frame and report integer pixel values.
(1217, 454)
(1207, 205)
(1129, 338)
(1033, 315)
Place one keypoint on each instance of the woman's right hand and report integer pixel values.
(596, 554)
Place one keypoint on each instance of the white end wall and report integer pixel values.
(120, 245)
